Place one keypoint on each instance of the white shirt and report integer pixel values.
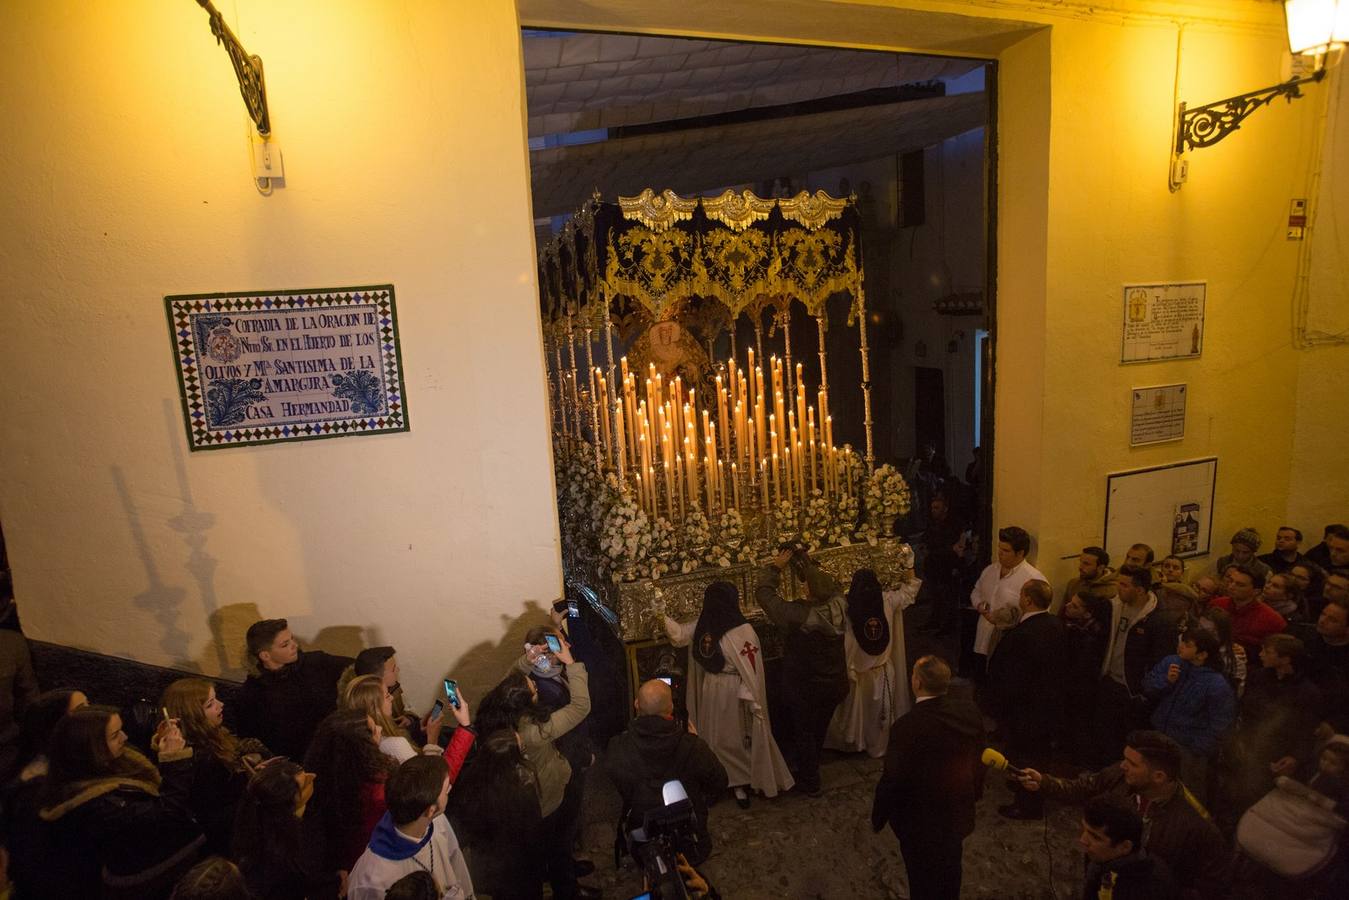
(373, 875)
(999, 591)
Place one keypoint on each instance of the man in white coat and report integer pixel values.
(727, 700)
(996, 594)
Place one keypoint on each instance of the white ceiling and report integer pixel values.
(579, 82)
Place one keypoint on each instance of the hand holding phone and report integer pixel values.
(554, 644)
(437, 709)
(452, 692)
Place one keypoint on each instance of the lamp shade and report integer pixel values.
(1315, 26)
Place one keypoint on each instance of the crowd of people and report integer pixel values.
(1228, 692)
(1201, 721)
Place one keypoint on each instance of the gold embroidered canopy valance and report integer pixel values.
(653, 253)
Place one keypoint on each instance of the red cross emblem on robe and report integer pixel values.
(749, 651)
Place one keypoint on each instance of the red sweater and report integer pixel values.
(1252, 623)
(373, 805)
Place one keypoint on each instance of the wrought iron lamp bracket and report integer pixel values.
(1204, 126)
(247, 68)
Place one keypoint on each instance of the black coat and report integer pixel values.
(932, 774)
(1026, 676)
(283, 708)
(111, 836)
(655, 750)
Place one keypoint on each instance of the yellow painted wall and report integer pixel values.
(402, 127)
(127, 178)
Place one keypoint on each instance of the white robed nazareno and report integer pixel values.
(727, 707)
(878, 690)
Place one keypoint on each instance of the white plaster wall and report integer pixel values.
(127, 178)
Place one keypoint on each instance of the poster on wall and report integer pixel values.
(1163, 321)
(1167, 506)
(265, 367)
(1157, 414)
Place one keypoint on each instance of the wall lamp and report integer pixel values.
(1317, 28)
(248, 69)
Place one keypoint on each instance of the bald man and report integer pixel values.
(656, 749)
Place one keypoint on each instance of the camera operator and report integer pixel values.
(656, 749)
(815, 665)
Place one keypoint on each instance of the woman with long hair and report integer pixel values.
(369, 694)
(513, 706)
(109, 831)
(215, 765)
(874, 646)
(1231, 656)
(1283, 594)
(495, 811)
(279, 851)
(349, 776)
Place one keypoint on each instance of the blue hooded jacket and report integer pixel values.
(388, 843)
(1197, 710)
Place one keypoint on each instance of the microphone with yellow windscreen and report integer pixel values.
(995, 760)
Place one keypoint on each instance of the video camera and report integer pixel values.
(666, 832)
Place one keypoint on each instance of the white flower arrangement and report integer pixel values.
(787, 520)
(731, 546)
(819, 522)
(887, 493)
(625, 540)
(844, 523)
(695, 540)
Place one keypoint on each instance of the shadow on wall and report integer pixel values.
(161, 600)
(483, 666)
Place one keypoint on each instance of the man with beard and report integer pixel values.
(1094, 578)
(815, 665)
(727, 700)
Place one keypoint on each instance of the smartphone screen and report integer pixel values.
(436, 709)
(452, 692)
(573, 611)
(553, 643)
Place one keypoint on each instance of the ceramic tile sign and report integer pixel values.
(1163, 321)
(259, 368)
(1158, 414)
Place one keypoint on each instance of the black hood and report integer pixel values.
(656, 738)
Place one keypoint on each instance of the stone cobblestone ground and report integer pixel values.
(800, 848)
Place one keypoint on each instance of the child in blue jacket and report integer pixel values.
(1195, 704)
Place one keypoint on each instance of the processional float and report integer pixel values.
(683, 455)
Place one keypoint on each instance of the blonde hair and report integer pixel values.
(185, 700)
(366, 694)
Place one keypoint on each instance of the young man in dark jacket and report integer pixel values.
(931, 780)
(656, 749)
(1026, 677)
(1118, 868)
(291, 692)
(1179, 830)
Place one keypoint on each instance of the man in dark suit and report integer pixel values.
(1025, 678)
(931, 781)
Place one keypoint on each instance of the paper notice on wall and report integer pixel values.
(1158, 414)
(1163, 321)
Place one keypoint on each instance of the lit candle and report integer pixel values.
(777, 481)
(735, 486)
(754, 470)
(618, 418)
(788, 471)
(810, 437)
